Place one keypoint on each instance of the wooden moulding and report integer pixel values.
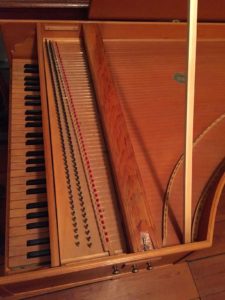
(8, 180)
(53, 230)
(129, 183)
(213, 208)
(58, 278)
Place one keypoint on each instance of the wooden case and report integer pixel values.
(146, 64)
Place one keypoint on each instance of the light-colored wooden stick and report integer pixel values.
(190, 92)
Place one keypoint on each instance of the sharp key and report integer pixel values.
(39, 253)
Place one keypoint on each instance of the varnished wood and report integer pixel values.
(157, 11)
(144, 116)
(176, 281)
(68, 249)
(136, 42)
(41, 9)
(44, 3)
(17, 254)
(209, 275)
(139, 224)
(55, 260)
(20, 40)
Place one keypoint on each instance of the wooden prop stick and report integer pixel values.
(139, 224)
(190, 91)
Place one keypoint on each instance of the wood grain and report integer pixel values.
(17, 221)
(132, 196)
(151, 10)
(53, 230)
(20, 40)
(156, 120)
(218, 244)
(175, 280)
(190, 97)
(209, 274)
(211, 68)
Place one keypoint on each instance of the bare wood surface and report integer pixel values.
(76, 245)
(53, 229)
(148, 112)
(139, 224)
(85, 123)
(82, 175)
(190, 94)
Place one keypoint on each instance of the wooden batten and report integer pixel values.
(190, 95)
(131, 192)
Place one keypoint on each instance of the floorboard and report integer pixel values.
(217, 296)
(209, 275)
(166, 283)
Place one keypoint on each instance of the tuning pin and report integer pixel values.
(134, 269)
(149, 266)
(115, 270)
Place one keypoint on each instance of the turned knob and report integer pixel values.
(134, 269)
(149, 266)
(115, 270)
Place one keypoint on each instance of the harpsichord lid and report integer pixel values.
(160, 10)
